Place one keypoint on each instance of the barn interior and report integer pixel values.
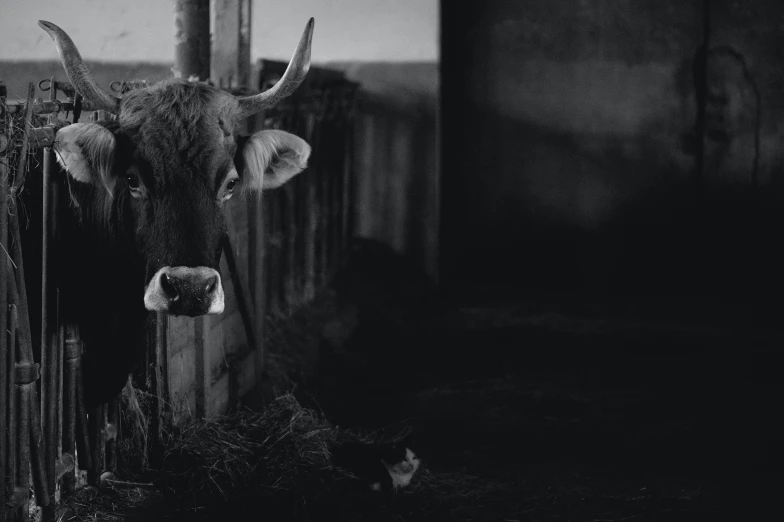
(557, 267)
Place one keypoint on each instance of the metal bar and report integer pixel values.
(44, 489)
(48, 322)
(192, 38)
(312, 216)
(22, 433)
(12, 393)
(4, 381)
(38, 137)
(83, 454)
(29, 432)
(161, 370)
(72, 352)
(96, 422)
(49, 107)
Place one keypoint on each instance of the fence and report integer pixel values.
(277, 258)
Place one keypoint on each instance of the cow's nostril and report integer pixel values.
(212, 284)
(169, 287)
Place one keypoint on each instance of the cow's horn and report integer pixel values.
(77, 71)
(288, 83)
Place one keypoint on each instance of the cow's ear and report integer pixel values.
(86, 152)
(272, 157)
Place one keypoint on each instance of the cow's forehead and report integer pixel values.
(178, 125)
(178, 103)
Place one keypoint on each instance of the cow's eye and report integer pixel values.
(134, 185)
(231, 182)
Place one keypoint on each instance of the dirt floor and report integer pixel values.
(557, 419)
(558, 412)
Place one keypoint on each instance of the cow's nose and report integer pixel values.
(183, 290)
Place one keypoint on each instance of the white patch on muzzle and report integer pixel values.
(157, 299)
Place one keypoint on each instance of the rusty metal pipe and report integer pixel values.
(192, 38)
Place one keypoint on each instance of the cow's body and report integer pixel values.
(143, 225)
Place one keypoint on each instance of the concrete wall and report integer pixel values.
(143, 30)
(569, 149)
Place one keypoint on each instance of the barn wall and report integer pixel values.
(570, 152)
(396, 151)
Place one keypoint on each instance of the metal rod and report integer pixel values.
(49, 366)
(49, 107)
(84, 457)
(72, 351)
(23, 433)
(96, 422)
(5, 394)
(161, 371)
(12, 393)
(41, 480)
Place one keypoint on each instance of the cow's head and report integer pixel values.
(175, 157)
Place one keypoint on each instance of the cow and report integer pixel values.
(144, 223)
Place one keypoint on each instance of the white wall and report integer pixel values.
(142, 30)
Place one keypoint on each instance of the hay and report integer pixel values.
(286, 447)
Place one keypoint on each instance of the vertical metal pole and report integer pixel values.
(10, 470)
(73, 349)
(4, 380)
(192, 38)
(49, 393)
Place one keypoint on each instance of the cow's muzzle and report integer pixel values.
(183, 290)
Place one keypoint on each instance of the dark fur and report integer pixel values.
(178, 138)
